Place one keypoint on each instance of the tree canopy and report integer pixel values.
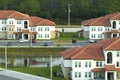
(80, 9)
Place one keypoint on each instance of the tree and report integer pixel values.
(31, 7)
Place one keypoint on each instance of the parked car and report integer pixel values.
(33, 41)
(8, 44)
(45, 44)
(21, 40)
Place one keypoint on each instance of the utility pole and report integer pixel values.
(69, 10)
(5, 57)
(51, 67)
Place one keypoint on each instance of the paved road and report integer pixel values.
(2, 77)
(42, 43)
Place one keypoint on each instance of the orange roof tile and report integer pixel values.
(12, 14)
(40, 21)
(98, 69)
(17, 32)
(102, 21)
(33, 20)
(92, 51)
(25, 31)
(110, 68)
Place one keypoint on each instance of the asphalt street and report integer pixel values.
(2, 77)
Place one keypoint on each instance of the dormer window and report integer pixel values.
(25, 24)
(114, 25)
(109, 57)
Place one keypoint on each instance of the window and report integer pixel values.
(19, 29)
(92, 35)
(86, 64)
(79, 64)
(40, 36)
(75, 74)
(118, 63)
(79, 74)
(32, 28)
(118, 53)
(99, 64)
(99, 28)
(26, 24)
(11, 22)
(99, 35)
(89, 64)
(46, 28)
(3, 28)
(3, 21)
(40, 29)
(75, 64)
(18, 21)
(87, 74)
(114, 25)
(109, 57)
(46, 35)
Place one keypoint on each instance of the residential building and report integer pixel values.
(17, 25)
(104, 27)
(98, 61)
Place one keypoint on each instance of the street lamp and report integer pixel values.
(5, 57)
(69, 10)
(31, 38)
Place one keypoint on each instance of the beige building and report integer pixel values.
(17, 25)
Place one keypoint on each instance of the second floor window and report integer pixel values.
(46, 28)
(3, 21)
(114, 25)
(18, 21)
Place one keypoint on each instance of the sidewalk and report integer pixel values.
(20, 75)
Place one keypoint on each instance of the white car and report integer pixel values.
(21, 40)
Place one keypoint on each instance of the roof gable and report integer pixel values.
(102, 21)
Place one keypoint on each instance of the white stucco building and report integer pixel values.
(99, 61)
(17, 25)
(105, 27)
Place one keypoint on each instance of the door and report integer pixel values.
(110, 76)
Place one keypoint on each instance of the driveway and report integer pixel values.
(2, 77)
(14, 75)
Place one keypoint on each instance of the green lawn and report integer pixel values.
(44, 71)
(68, 36)
(31, 51)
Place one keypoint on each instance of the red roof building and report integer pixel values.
(18, 25)
(98, 61)
(105, 27)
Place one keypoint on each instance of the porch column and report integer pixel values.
(105, 75)
(117, 35)
(115, 75)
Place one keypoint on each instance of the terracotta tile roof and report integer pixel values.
(114, 31)
(33, 20)
(110, 68)
(110, 44)
(98, 69)
(92, 51)
(118, 69)
(17, 32)
(102, 21)
(25, 31)
(12, 14)
(36, 21)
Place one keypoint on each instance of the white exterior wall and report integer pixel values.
(82, 69)
(67, 63)
(95, 32)
(86, 28)
(114, 56)
(43, 32)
